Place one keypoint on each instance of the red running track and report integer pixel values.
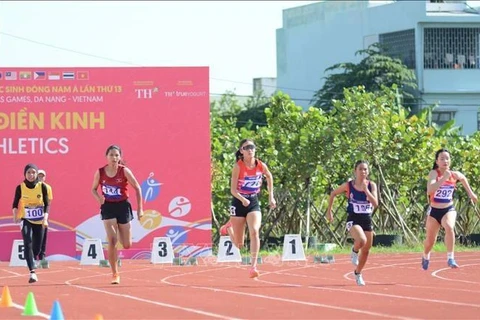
(397, 288)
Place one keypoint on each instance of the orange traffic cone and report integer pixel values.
(6, 298)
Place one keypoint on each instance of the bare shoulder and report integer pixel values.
(343, 187)
(264, 166)
(128, 172)
(432, 174)
(457, 175)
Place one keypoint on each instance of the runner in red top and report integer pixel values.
(247, 175)
(116, 210)
(442, 213)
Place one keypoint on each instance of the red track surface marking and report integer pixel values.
(289, 301)
(463, 276)
(397, 288)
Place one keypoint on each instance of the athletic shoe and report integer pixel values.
(354, 257)
(359, 279)
(452, 264)
(223, 229)
(254, 272)
(33, 278)
(425, 263)
(116, 279)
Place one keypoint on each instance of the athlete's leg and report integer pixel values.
(125, 234)
(111, 228)
(432, 228)
(237, 231)
(124, 217)
(254, 221)
(41, 255)
(359, 240)
(37, 238)
(364, 251)
(27, 234)
(448, 223)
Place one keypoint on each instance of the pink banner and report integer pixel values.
(63, 120)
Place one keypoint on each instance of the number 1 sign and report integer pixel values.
(293, 248)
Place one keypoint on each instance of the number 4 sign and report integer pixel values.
(162, 250)
(293, 248)
(92, 252)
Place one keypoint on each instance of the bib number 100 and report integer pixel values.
(32, 213)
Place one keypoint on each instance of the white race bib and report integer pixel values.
(35, 213)
(444, 194)
(362, 208)
(111, 191)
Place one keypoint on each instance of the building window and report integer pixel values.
(401, 45)
(442, 117)
(478, 121)
(451, 48)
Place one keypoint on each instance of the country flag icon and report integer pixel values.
(54, 76)
(69, 75)
(11, 75)
(39, 75)
(25, 75)
(82, 75)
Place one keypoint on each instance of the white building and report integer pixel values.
(441, 41)
(267, 85)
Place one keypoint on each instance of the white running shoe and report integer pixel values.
(359, 279)
(354, 257)
(33, 278)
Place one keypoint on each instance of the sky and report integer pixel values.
(235, 39)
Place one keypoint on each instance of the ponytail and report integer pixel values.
(238, 155)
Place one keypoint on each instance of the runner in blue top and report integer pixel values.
(362, 199)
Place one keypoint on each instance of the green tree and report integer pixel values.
(310, 152)
(227, 106)
(374, 71)
(253, 113)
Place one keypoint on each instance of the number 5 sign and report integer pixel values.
(17, 257)
(162, 250)
(293, 248)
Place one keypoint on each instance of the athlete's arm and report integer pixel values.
(269, 177)
(433, 184)
(233, 184)
(46, 200)
(16, 201)
(138, 191)
(461, 177)
(372, 196)
(96, 182)
(341, 189)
